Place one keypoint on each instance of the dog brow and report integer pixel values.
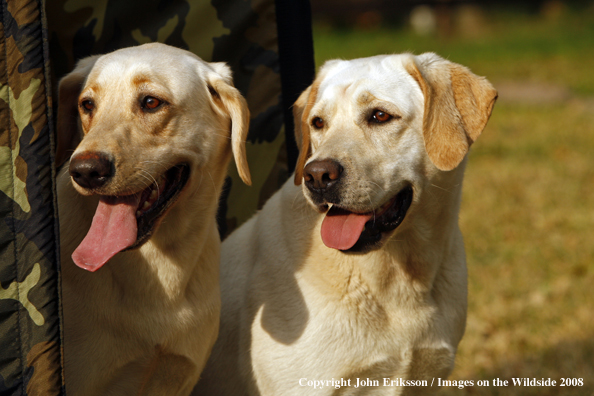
(140, 79)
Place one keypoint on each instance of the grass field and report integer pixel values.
(528, 204)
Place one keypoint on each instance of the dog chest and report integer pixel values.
(351, 338)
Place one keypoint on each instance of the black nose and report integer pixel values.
(321, 175)
(91, 170)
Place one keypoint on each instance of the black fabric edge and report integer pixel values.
(297, 66)
(49, 111)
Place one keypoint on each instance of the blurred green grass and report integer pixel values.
(528, 205)
(510, 46)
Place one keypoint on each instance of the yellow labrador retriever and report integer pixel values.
(137, 204)
(356, 282)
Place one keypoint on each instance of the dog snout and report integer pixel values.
(321, 175)
(91, 170)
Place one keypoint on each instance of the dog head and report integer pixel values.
(152, 122)
(373, 132)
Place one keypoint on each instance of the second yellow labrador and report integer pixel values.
(356, 284)
(137, 205)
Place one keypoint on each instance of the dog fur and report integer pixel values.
(145, 323)
(296, 310)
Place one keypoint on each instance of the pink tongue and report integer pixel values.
(113, 229)
(341, 229)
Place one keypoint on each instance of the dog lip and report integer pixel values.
(175, 180)
(385, 219)
(324, 208)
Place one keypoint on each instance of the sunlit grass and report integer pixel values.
(528, 221)
(528, 204)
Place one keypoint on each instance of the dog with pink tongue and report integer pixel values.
(355, 270)
(137, 205)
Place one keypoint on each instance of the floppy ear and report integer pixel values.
(227, 97)
(458, 105)
(68, 132)
(301, 110)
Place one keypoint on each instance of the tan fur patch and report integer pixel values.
(457, 106)
(236, 107)
(475, 98)
(301, 112)
(140, 80)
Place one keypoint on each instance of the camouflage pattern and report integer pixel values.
(30, 354)
(241, 33)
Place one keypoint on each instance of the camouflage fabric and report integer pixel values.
(30, 358)
(240, 33)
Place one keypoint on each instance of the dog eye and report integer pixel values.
(318, 123)
(87, 105)
(151, 103)
(379, 116)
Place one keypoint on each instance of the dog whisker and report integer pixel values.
(370, 203)
(151, 180)
(214, 186)
(294, 200)
(375, 184)
(161, 165)
(201, 178)
(441, 188)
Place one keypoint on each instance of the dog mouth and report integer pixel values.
(156, 199)
(126, 222)
(361, 232)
